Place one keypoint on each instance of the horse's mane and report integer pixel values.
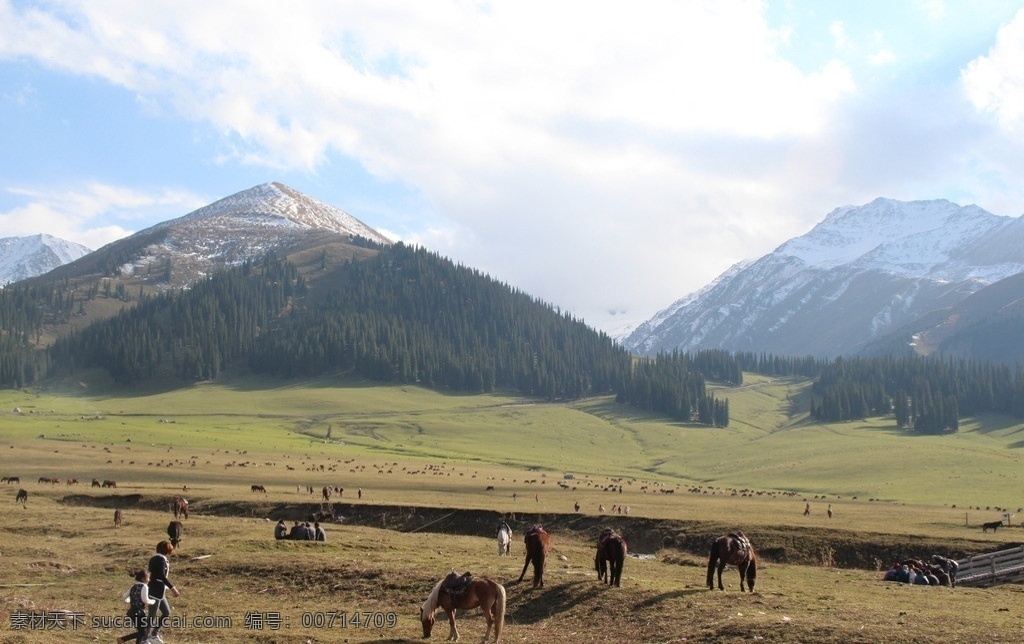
(433, 601)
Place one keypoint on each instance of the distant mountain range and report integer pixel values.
(24, 257)
(885, 277)
(882, 278)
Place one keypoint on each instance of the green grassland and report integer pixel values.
(408, 447)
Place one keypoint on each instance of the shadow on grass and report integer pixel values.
(529, 605)
(675, 594)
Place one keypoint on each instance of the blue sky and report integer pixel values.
(604, 157)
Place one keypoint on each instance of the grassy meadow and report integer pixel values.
(409, 447)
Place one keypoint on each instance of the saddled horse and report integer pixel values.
(611, 551)
(464, 591)
(504, 540)
(174, 531)
(537, 544)
(21, 496)
(180, 508)
(733, 549)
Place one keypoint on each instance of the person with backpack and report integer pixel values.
(138, 599)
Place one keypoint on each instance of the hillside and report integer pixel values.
(860, 274)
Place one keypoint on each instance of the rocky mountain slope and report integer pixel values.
(24, 257)
(860, 274)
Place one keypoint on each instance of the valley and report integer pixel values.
(426, 475)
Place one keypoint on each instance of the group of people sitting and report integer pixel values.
(938, 571)
(300, 531)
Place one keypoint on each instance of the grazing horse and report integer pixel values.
(118, 516)
(174, 531)
(469, 592)
(985, 527)
(21, 497)
(180, 508)
(611, 551)
(537, 544)
(259, 488)
(504, 540)
(733, 549)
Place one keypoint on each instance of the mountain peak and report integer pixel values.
(275, 204)
(24, 257)
(858, 274)
(895, 236)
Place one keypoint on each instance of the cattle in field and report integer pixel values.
(22, 496)
(118, 516)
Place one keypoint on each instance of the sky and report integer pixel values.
(605, 157)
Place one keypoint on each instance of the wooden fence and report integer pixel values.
(991, 569)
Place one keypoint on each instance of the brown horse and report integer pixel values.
(733, 549)
(611, 550)
(537, 543)
(180, 508)
(480, 592)
(118, 517)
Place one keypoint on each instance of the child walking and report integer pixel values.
(138, 599)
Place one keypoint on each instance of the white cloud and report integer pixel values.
(995, 83)
(642, 148)
(92, 215)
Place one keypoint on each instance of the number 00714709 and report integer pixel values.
(341, 619)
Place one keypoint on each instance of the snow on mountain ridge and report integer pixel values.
(856, 274)
(918, 238)
(24, 257)
(274, 204)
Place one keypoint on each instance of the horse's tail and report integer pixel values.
(526, 565)
(712, 562)
(499, 612)
(752, 571)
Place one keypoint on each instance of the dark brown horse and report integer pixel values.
(733, 549)
(174, 531)
(537, 543)
(21, 497)
(480, 592)
(611, 551)
(180, 508)
(993, 525)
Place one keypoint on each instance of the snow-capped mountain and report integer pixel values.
(246, 225)
(273, 205)
(24, 257)
(860, 273)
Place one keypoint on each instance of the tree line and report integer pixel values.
(405, 315)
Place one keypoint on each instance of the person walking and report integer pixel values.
(159, 567)
(138, 599)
